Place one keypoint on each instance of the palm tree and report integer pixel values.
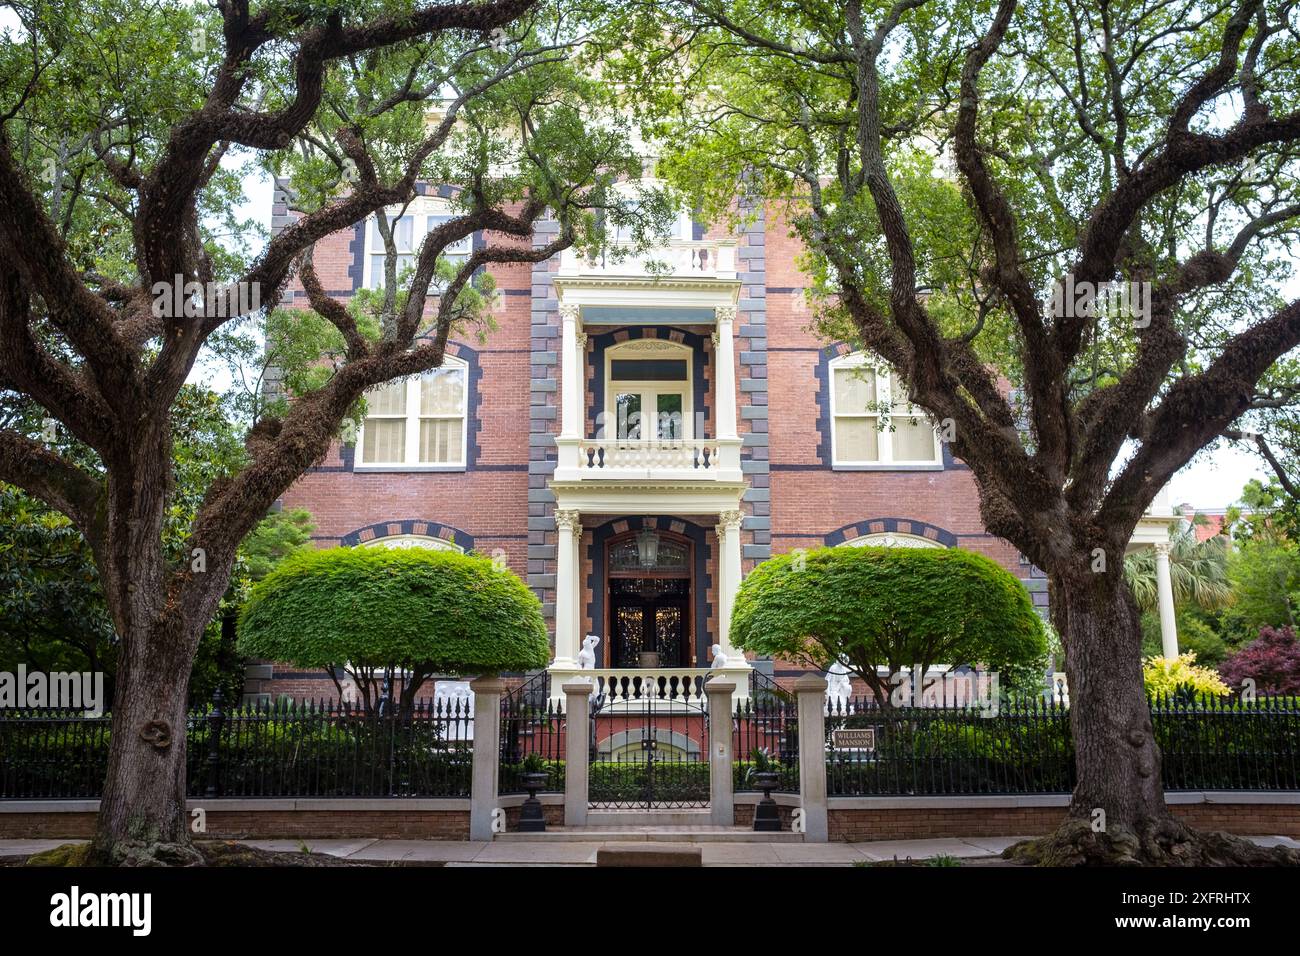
(1198, 571)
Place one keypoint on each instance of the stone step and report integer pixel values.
(701, 816)
(650, 834)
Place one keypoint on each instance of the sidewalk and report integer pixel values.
(539, 853)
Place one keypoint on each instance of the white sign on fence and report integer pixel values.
(854, 738)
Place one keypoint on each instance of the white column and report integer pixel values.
(721, 782)
(728, 531)
(1165, 595)
(724, 395)
(576, 752)
(570, 374)
(487, 753)
(568, 536)
(811, 693)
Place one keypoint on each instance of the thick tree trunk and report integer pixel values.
(142, 815)
(1115, 750)
(1118, 814)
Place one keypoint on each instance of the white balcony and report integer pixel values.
(703, 259)
(641, 460)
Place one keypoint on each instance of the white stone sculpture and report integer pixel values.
(719, 658)
(587, 656)
(454, 699)
(839, 686)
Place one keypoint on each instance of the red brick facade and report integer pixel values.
(500, 503)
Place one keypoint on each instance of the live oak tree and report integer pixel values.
(948, 163)
(121, 129)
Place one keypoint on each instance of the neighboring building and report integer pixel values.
(633, 443)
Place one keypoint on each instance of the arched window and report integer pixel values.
(410, 225)
(891, 539)
(648, 391)
(873, 422)
(413, 541)
(417, 423)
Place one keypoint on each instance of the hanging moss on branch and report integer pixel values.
(368, 609)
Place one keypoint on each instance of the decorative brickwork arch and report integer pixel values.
(410, 533)
(898, 532)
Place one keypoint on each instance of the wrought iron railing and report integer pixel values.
(767, 721)
(531, 724)
(310, 749)
(1026, 747)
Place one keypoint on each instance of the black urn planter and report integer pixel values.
(530, 814)
(766, 819)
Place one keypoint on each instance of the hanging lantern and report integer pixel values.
(647, 545)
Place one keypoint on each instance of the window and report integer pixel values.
(648, 391)
(421, 217)
(401, 541)
(417, 423)
(630, 193)
(872, 420)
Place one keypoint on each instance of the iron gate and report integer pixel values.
(649, 744)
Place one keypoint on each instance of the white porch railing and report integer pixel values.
(685, 459)
(683, 685)
(704, 259)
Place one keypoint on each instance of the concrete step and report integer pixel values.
(650, 834)
(701, 816)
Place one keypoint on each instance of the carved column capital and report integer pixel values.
(725, 313)
(569, 521)
(568, 312)
(728, 521)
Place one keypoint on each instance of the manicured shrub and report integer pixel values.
(1180, 675)
(1272, 661)
(890, 608)
(372, 608)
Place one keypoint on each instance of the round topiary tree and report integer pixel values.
(369, 609)
(889, 608)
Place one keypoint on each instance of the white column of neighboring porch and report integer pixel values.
(724, 395)
(728, 531)
(570, 373)
(1165, 597)
(568, 532)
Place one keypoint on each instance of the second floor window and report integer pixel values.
(419, 422)
(409, 230)
(648, 391)
(873, 421)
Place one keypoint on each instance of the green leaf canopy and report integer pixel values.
(374, 607)
(888, 607)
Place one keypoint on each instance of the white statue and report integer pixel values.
(587, 656)
(454, 701)
(719, 658)
(839, 686)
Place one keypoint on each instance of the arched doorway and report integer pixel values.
(649, 599)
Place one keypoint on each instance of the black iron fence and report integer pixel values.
(1026, 747)
(532, 735)
(312, 749)
(323, 749)
(766, 723)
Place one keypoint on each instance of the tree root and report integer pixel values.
(141, 853)
(1155, 842)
